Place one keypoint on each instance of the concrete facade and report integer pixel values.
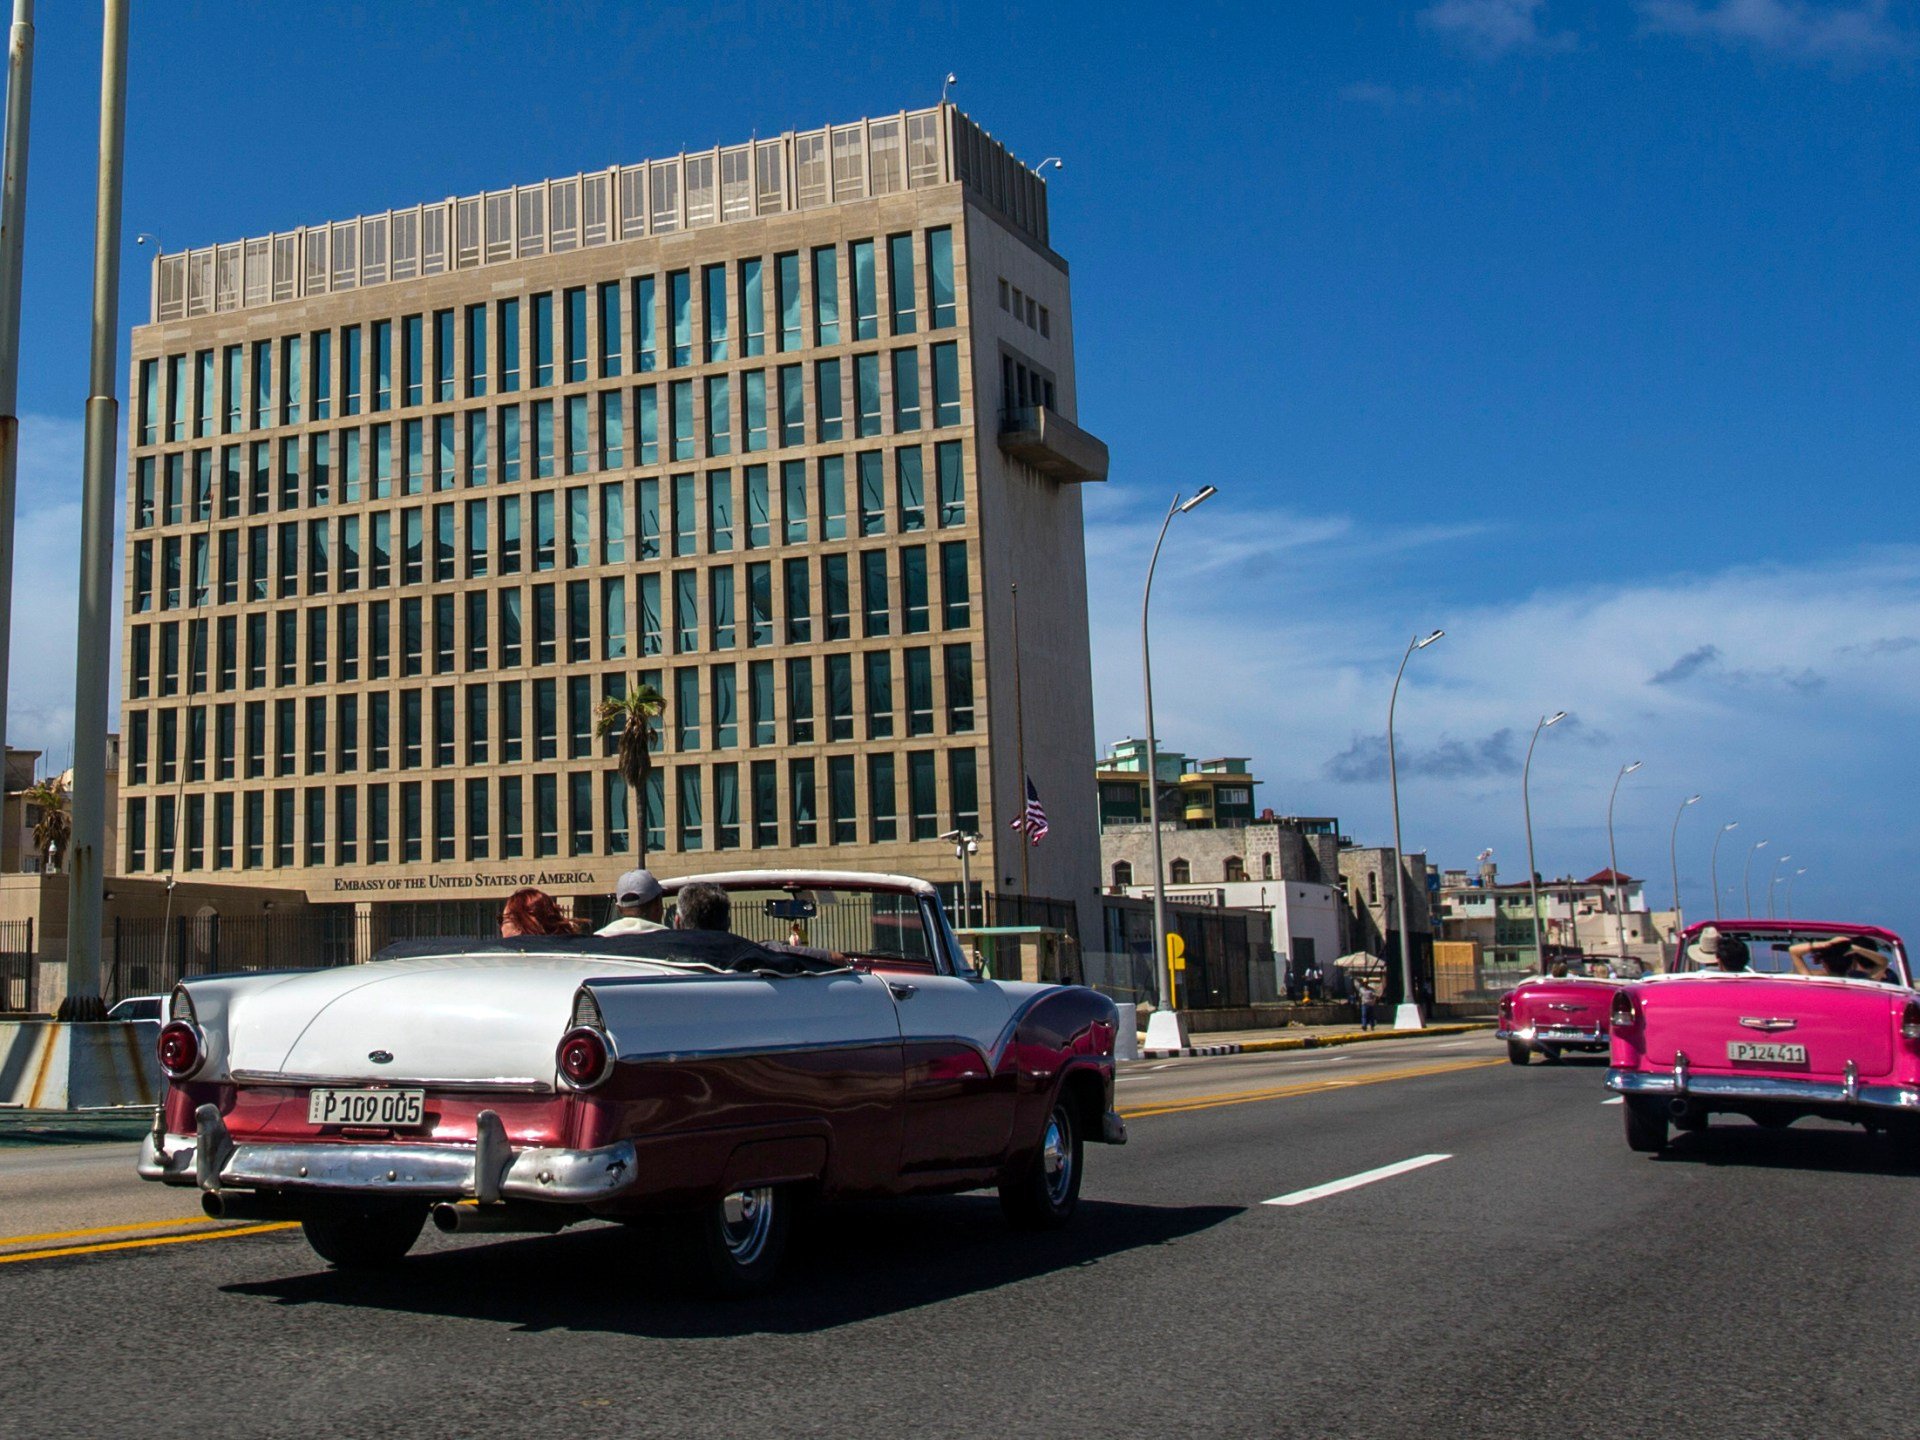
(762, 446)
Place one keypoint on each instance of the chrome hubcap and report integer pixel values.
(1056, 1159)
(746, 1217)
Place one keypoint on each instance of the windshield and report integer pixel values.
(883, 925)
(1791, 953)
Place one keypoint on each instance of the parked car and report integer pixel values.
(1551, 1014)
(698, 1081)
(1785, 1036)
(140, 1007)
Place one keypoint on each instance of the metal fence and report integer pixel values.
(1229, 962)
(150, 956)
(16, 966)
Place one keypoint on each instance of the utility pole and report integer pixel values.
(85, 865)
(13, 237)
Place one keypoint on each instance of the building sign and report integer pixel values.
(509, 881)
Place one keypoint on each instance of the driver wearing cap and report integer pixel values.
(641, 902)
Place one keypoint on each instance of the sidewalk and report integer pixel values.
(1305, 1037)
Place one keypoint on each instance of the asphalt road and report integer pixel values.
(1539, 1280)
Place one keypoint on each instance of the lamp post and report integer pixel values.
(1619, 899)
(1526, 804)
(1407, 1017)
(1746, 877)
(1790, 879)
(1775, 880)
(966, 845)
(1673, 857)
(1713, 864)
(1168, 1033)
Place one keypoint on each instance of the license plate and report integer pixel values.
(1766, 1052)
(398, 1109)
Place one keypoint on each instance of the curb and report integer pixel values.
(1307, 1042)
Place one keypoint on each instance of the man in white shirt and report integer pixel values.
(641, 903)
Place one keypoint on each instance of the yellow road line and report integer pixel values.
(6, 1240)
(64, 1251)
(1305, 1087)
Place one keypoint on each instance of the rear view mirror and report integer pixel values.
(791, 908)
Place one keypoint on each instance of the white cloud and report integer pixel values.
(1785, 695)
(1491, 28)
(1849, 33)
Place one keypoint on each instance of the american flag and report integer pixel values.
(1033, 819)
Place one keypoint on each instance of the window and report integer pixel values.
(787, 299)
(543, 536)
(546, 720)
(913, 590)
(879, 678)
(719, 415)
(946, 384)
(545, 625)
(579, 538)
(866, 392)
(900, 283)
(798, 600)
(753, 310)
(546, 815)
(1236, 869)
(839, 697)
(793, 406)
(759, 516)
(963, 791)
(870, 466)
(958, 664)
(835, 593)
(906, 390)
(801, 807)
(940, 296)
(476, 351)
(647, 598)
(759, 604)
(478, 840)
(753, 410)
(826, 298)
(842, 815)
(882, 824)
(573, 451)
(680, 419)
(919, 668)
(1179, 872)
(443, 355)
(800, 702)
(1122, 874)
(828, 421)
(512, 819)
(292, 386)
(507, 322)
(611, 352)
(766, 804)
(542, 317)
(613, 431)
(713, 285)
(382, 364)
(875, 610)
(542, 439)
(576, 302)
(760, 716)
(691, 831)
(680, 317)
(866, 303)
(646, 333)
(720, 606)
(923, 805)
(956, 610)
(412, 361)
(793, 501)
(951, 480)
(686, 709)
(726, 719)
(833, 497)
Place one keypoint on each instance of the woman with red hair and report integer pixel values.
(534, 912)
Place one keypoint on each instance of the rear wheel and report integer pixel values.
(1518, 1054)
(739, 1242)
(365, 1239)
(1045, 1191)
(1646, 1124)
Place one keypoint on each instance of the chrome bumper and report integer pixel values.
(1681, 1083)
(488, 1171)
(1554, 1035)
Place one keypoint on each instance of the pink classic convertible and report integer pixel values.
(1774, 1020)
(1553, 1013)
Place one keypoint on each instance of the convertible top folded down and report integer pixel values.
(716, 948)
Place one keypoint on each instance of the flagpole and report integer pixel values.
(1020, 740)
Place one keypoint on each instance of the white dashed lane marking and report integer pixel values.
(1354, 1182)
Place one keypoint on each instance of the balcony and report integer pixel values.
(1052, 444)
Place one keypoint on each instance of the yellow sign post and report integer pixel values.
(1176, 962)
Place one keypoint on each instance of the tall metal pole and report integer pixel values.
(1526, 802)
(1775, 880)
(1407, 1017)
(85, 864)
(1673, 857)
(1163, 960)
(1746, 878)
(1613, 865)
(1713, 864)
(1790, 879)
(13, 235)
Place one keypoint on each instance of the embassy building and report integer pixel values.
(777, 428)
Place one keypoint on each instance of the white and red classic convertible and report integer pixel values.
(702, 1081)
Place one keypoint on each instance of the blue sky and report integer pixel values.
(1586, 329)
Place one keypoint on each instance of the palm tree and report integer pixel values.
(631, 716)
(54, 828)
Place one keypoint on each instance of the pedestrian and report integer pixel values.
(640, 901)
(534, 912)
(1368, 998)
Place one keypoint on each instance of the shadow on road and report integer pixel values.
(848, 1264)
(1807, 1146)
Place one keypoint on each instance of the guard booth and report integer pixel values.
(1040, 954)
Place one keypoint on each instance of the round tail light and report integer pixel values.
(1910, 1020)
(583, 1058)
(1625, 1014)
(180, 1049)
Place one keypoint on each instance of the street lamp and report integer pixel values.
(1746, 878)
(1407, 1017)
(1619, 901)
(1713, 864)
(1673, 857)
(1526, 804)
(1167, 1033)
(1775, 881)
(1790, 879)
(966, 845)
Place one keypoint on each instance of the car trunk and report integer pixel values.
(1582, 1008)
(468, 1019)
(1835, 1021)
